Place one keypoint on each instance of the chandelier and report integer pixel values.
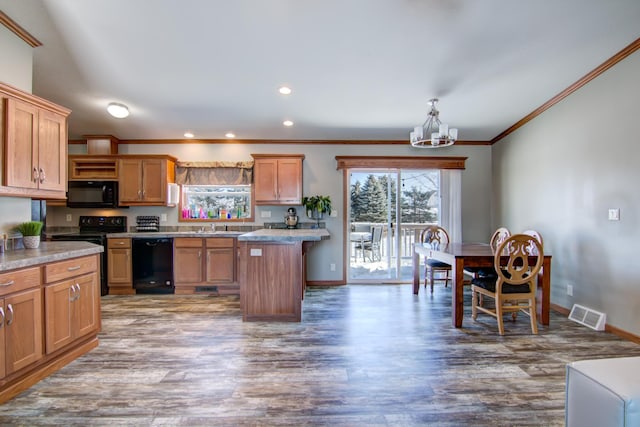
(433, 133)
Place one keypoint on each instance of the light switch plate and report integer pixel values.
(614, 214)
(69, 218)
(163, 217)
(265, 214)
(255, 252)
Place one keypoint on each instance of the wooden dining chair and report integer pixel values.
(514, 288)
(498, 236)
(435, 235)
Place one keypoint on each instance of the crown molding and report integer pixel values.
(18, 30)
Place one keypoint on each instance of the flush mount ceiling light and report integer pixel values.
(119, 111)
(288, 123)
(433, 133)
(189, 135)
(230, 135)
(285, 90)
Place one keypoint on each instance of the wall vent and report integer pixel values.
(588, 317)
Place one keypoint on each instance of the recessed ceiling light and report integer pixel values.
(188, 135)
(287, 123)
(119, 111)
(285, 90)
(230, 135)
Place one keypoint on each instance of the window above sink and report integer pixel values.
(216, 203)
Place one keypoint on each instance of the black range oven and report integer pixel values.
(94, 229)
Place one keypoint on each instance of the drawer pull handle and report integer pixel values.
(77, 267)
(9, 283)
(10, 310)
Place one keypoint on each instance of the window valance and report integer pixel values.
(214, 173)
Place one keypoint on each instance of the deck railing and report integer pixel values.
(409, 233)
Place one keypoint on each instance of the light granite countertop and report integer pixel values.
(171, 234)
(47, 252)
(284, 235)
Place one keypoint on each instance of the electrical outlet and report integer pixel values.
(570, 290)
(69, 218)
(163, 217)
(265, 214)
(332, 267)
(614, 214)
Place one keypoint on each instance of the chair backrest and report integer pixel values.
(434, 234)
(518, 269)
(537, 236)
(499, 236)
(376, 234)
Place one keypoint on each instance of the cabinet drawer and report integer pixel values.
(124, 243)
(220, 242)
(70, 268)
(188, 242)
(19, 280)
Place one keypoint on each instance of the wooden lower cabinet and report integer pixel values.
(271, 281)
(187, 264)
(72, 310)
(205, 265)
(22, 330)
(119, 268)
(33, 346)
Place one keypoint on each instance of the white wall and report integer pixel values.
(320, 177)
(560, 174)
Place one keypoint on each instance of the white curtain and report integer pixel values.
(451, 203)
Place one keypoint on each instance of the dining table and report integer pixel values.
(461, 255)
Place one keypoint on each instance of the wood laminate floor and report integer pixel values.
(363, 355)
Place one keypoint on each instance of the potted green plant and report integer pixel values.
(317, 206)
(30, 231)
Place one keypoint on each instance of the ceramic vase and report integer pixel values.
(31, 242)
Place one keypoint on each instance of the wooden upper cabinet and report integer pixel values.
(35, 132)
(277, 179)
(143, 180)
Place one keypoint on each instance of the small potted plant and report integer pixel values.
(30, 231)
(317, 206)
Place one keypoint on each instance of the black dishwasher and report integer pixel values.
(153, 265)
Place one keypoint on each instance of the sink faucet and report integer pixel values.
(213, 227)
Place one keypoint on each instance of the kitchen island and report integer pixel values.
(49, 310)
(273, 273)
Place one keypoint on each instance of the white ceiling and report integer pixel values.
(359, 69)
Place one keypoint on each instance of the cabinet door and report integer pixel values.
(290, 181)
(221, 265)
(154, 181)
(119, 266)
(23, 329)
(21, 160)
(187, 265)
(58, 311)
(130, 181)
(3, 358)
(87, 305)
(265, 180)
(52, 151)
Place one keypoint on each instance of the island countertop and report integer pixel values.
(286, 235)
(45, 253)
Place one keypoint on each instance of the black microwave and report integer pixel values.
(92, 194)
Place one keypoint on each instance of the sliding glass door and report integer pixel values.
(387, 209)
